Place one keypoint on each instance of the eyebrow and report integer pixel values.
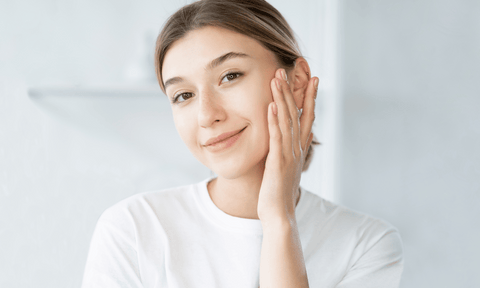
(215, 62)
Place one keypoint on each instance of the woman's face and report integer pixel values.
(218, 81)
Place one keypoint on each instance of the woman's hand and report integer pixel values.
(290, 138)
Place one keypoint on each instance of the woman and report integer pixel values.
(243, 102)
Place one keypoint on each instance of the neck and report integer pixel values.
(239, 196)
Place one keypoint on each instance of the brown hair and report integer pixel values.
(254, 18)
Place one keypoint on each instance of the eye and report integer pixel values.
(182, 97)
(231, 76)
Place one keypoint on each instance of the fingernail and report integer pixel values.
(316, 84)
(274, 108)
(278, 84)
(284, 74)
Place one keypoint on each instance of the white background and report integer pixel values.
(410, 152)
(399, 123)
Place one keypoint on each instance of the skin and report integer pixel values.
(258, 176)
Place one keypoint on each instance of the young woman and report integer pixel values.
(243, 102)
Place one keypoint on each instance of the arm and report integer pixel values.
(281, 261)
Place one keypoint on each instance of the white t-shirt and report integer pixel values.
(178, 238)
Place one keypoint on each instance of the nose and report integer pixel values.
(210, 109)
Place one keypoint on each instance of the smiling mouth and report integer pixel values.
(223, 137)
(223, 141)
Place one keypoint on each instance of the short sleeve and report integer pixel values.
(381, 265)
(112, 260)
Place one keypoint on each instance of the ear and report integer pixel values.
(298, 79)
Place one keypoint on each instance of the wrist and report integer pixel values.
(279, 224)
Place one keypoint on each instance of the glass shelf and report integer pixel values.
(123, 90)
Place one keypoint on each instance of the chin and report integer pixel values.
(236, 168)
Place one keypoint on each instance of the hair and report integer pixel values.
(254, 18)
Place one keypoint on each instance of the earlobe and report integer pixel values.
(300, 76)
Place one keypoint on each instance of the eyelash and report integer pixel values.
(175, 98)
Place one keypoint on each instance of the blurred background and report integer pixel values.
(83, 125)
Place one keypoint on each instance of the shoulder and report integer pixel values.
(358, 231)
(366, 249)
(129, 228)
(327, 213)
(157, 203)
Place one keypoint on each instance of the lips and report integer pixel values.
(222, 137)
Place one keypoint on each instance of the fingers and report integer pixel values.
(309, 141)
(295, 127)
(275, 133)
(289, 99)
(284, 118)
(308, 114)
(292, 112)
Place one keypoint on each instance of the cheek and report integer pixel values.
(258, 97)
(185, 128)
(256, 94)
(260, 114)
(262, 97)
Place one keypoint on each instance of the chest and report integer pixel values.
(209, 259)
(203, 258)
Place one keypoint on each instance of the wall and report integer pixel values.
(64, 159)
(410, 137)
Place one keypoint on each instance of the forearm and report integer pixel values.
(281, 261)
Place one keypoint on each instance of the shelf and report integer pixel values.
(96, 91)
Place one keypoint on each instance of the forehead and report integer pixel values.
(198, 47)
